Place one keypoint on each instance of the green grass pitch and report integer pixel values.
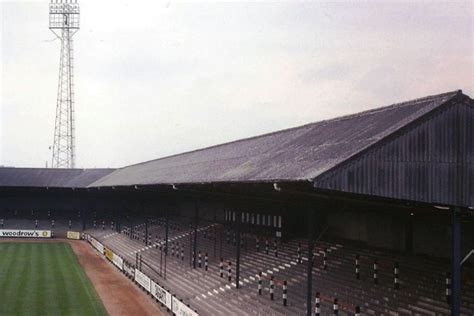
(44, 279)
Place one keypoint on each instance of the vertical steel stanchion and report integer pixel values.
(448, 288)
(357, 311)
(309, 267)
(300, 260)
(272, 287)
(275, 247)
(317, 305)
(196, 219)
(357, 272)
(325, 265)
(395, 276)
(239, 245)
(259, 283)
(221, 268)
(376, 280)
(161, 261)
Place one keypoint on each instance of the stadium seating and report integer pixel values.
(421, 290)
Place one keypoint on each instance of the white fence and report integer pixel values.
(118, 261)
(157, 291)
(97, 245)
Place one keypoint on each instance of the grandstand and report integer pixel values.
(370, 213)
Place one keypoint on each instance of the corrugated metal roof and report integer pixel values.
(300, 153)
(432, 161)
(42, 177)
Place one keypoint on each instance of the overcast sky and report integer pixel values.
(155, 78)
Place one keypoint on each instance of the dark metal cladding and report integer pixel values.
(301, 153)
(430, 160)
(43, 177)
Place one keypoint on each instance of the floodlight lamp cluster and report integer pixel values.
(63, 14)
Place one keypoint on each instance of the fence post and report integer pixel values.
(335, 307)
(395, 272)
(448, 288)
(272, 287)
(325, 266)
(299, 253)
(357, 311)
(357, 267)
(260, 283)
(221, 267)
(317, 305)
(376, 280)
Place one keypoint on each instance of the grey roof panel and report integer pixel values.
(301, 153)
(43, 177)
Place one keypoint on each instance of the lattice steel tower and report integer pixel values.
(64, 23)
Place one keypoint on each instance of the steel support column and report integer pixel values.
(118, 221)
(456, 262)
(83, 215)
(214, 229)
(309, 293)
(196, 217)
(167, 229)
(146, 231)
(237, 259)
(130, 217)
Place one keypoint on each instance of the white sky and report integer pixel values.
(154, 78)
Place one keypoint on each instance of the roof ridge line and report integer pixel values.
(393, 105)
(404, 103)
